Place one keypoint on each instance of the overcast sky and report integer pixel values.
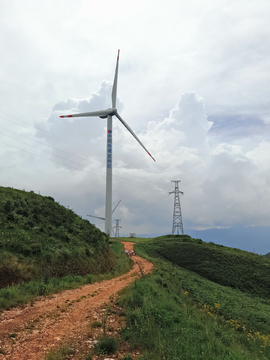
(193, 85)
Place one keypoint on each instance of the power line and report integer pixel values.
(38, 142)
(148, 207)
(48, 152)
(126, 181)
(67, 141)
(47, 132)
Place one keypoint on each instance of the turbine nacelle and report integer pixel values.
(111, 111)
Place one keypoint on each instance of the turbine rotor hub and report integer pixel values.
(113, 111)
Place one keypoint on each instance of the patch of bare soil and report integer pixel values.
(29, 332)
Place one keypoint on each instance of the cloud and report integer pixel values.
(98, 100)
(89, 131)
(234, 127)
(220, 179)
(215, 138)
(224, 182)
(189, 119)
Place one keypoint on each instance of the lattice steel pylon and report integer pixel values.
(177, 214)
(117, 227)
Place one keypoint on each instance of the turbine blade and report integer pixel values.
(114, 88)
(92, 113)
(132, 133)
(116, 206)
(96, 217)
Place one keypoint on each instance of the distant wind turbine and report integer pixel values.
(103, 218)
(103, 114)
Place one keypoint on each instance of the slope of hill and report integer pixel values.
(238, 269)
(40, 239)
(195, 305)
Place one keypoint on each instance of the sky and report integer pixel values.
(193, 85)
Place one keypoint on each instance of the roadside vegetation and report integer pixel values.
(46, 248)
(195, 304)
(27, 292)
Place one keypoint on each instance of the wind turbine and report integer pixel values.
(103, 114)
(102, 218)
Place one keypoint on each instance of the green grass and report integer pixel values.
(238, 269)
(175, 313)
(27, 292)
(46, 248)
(63, 352)
(40, 238)
(106, 345)
(124, 263)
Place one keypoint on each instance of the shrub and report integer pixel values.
(8, 206)
(128, 357)
(89, 278)
(10, 216)
(106, 346)
(96, 324)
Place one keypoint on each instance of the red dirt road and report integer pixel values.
(29, 333)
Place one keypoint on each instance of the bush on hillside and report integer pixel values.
(35, 229)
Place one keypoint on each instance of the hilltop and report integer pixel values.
(39, 238)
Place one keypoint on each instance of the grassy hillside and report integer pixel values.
(238, 269)
(41, 239)
(190, 307)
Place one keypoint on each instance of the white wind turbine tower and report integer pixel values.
(103, 114)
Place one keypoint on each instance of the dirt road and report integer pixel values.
(30, 332)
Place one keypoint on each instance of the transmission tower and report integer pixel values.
(117, 227)
(177, 215)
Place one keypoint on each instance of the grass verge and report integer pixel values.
(27, 292)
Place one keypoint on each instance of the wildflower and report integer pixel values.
(186, 292)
